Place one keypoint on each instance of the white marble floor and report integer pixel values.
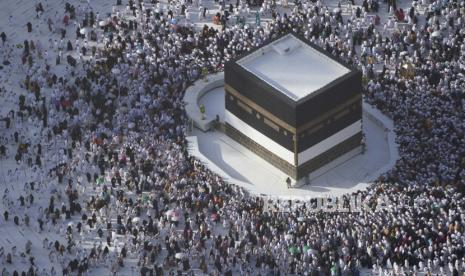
(242, 167)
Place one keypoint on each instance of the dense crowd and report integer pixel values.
(112, 144)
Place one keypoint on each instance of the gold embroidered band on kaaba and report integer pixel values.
(342, 108)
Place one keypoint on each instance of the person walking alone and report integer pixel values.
(3, 36)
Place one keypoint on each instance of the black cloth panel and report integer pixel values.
(260, 92)
(258, 123)
(329, 129)
(332, 95)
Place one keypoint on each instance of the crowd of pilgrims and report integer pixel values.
(121, 169)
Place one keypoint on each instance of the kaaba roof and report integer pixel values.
(293, 67)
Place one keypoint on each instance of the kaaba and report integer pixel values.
(293, 104)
